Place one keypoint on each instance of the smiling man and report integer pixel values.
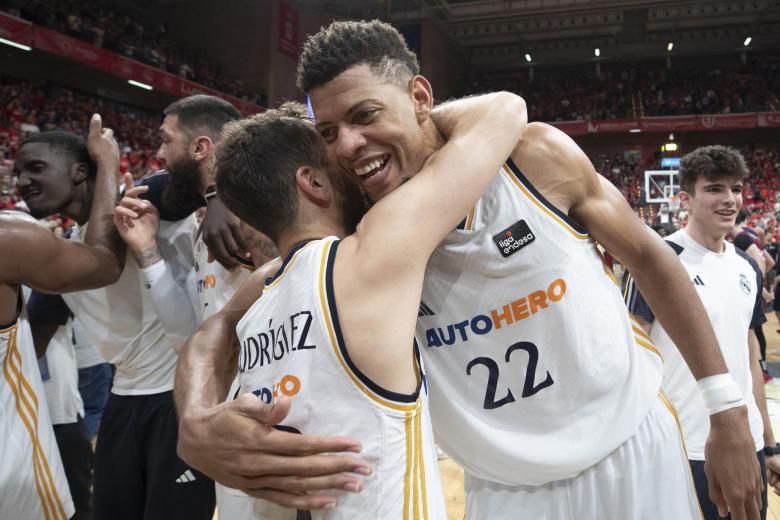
(542, 386)
(729, 283)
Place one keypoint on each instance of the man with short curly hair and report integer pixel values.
(542, 386)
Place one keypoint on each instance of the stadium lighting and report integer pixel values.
(139, 84)
(14, 44)
(597, 52)
(635, 130)
(528, 58)
(747, 41)
(669, 46)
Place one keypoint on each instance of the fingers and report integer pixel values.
(716, 494)
(218, 251)
(295, 501)
(238, 235)
(125, 213)
(302, 485)
(258, 470)
(95, 124)
(129, 184)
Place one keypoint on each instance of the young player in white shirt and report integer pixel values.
(729, 284)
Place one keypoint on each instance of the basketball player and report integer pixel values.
(729, 284)
(188, 135)
(32, 480)
(137, 472)
(349, 364)
(542, 424)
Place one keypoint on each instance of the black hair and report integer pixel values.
(202, 114)
(71, 145)
(342, 45)
(714, 162)
(256, 161)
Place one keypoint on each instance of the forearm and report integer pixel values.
(170, 301)
(459, 116)
(663, 282)
(101, 233)
(207, 364)
(758, 388)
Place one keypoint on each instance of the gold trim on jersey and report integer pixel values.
(326, 312)
(576, 234)
(286, 268)
(421, 458)
(26, 403)
(607, 270)
(469, 226)
(673, 411)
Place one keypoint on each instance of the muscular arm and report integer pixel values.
(50, 264)
(563, 171)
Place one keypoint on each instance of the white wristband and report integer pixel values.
(720, 393)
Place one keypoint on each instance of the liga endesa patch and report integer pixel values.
(514, 238)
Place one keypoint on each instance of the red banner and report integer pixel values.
(71, 48)
(572, 127)
(769, 119)
(288, 31)
(669, 124)
(672, 123)
(728, 121)
(15, 30)
(25, 33)
(612, 125)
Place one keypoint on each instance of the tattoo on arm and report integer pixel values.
(150, 255)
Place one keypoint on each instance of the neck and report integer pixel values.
(433, 140)
(305, 232)
(710, 240)
(81, 205)
(205, 177)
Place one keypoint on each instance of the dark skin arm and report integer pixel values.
(230, 442)
(222, 233)
(95, 263)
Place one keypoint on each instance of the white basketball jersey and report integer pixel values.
(536, 369)
(215, 284)
(291, 344)
(32, 479)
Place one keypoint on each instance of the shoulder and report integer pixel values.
(556, 166)
(10, 218)
(747, 258)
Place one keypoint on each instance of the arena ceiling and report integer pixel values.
(497, 34)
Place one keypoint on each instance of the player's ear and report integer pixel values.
(311, 181)
(422, 95)
(201, 147)
(685, 199)
(79, 172)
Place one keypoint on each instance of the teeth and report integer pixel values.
(376, 163)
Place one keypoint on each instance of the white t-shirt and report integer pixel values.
(728, 284)
(121, 320)
(59, 372)
(86, 353)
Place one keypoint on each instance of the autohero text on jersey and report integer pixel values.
(508, 314)
(276, 341)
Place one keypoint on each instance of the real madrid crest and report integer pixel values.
(744, 283)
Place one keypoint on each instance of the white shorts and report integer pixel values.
(647, 477)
